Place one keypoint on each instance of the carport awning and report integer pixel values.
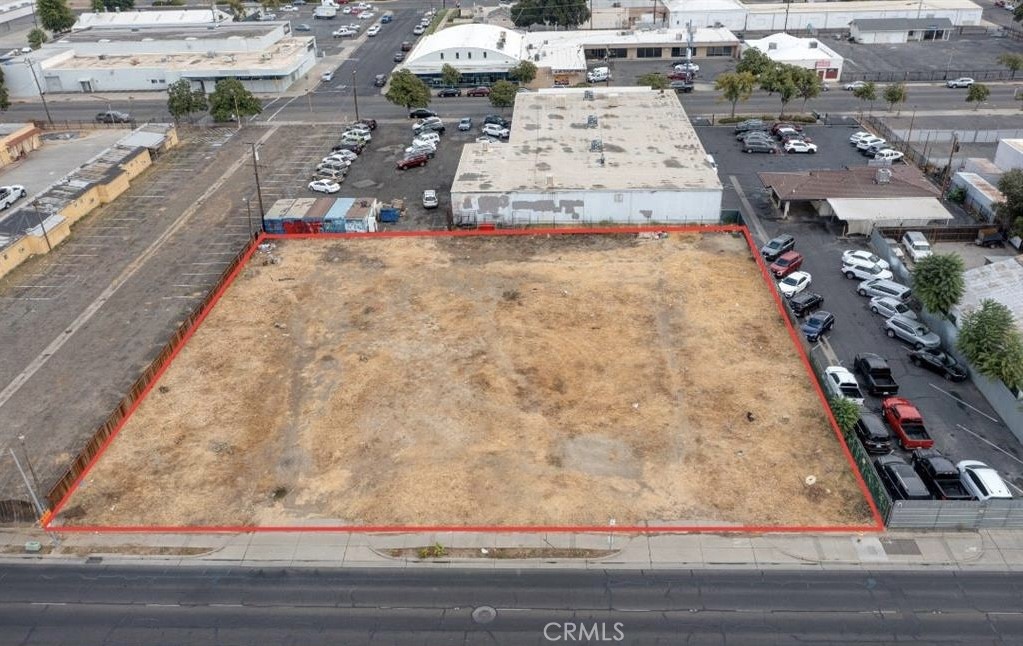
(862, 215)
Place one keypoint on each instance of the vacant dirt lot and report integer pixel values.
(545, 380)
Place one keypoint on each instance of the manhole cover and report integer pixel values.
(484, 615)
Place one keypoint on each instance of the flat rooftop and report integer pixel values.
(864, 5)
(1001, 281)
(218, 32)
(856, 182)
(646, 139)
(284, 54)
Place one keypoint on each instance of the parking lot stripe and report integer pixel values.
(960, 401)
(988, 442)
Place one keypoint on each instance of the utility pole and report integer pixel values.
(248, 212)
(42, 225)
(355, 95)
(259, 191)
(236, 115)
(909, 135)
(35, 500)
(948, 169)
(591, 15)
(42, 95)
(788, 3)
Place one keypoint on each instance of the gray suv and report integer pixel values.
(912, 332)
(884, 287)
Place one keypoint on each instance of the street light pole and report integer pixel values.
(355, 94)
(259, 191)
(248, 211)
(42, 95)
(35, 480)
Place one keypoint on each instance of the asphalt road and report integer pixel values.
(95, 604)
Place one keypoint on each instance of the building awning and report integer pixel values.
(862, 215)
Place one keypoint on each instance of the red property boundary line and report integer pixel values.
(877, 526)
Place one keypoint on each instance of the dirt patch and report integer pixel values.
(534, 381)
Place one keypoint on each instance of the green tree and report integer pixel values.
(113, 5)
(5, 99)
(977, 94)
(938, 281)
(55, 15)
(450, 75)
(97, 6)
(563, 13)
(408, 90)
(735, 86)
(846, 412)
(1010, 212)
(989, 340)
(1012, 61)
(895, 94)
(755, 62)
(502, 94)
(230, 100)
(808, 84)
(1017, 15)
(866, 92)
(36, 38)
(183, 101)
(781, 80)
(653, 80)
(523, 73)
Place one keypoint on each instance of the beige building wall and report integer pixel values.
(19, 143)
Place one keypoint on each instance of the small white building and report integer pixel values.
(167, 18)
(1009, 154)
(730, 14)
(894, 31)
(808, 53)
(813, 16)
(581, 157)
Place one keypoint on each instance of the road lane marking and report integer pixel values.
(963, 402)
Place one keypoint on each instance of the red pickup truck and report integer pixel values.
(906, 421)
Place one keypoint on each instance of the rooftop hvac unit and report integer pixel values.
(591, 121)
(550, 181)
(588, 95)
(211, 54)
(772, 45)
(813, 44)
(536, 57)
(883, 176)
(596, 146)
(264, 57)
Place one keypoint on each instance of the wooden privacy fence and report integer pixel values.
(103, 433)
(958, 233)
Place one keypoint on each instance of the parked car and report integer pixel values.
(430, 199)
(788, 132)
(349, 146)
(990, 238)
(478, 91)
(498, 119)
(421, 113)
(841, 383)
(329, 164)
(858, 136)
(330, 174)
(900, 479)
(380, 80)
(336, 160)
(757, 146)
(406, 46)
(685, 87)
(429, 124)
(804, 303)
(961, 82)
(494, 130)
(324, 186)
(427, 138)
(889, 155)
(345, 155)
(942, 477)
(817, 325)
(363, 132)
(864, 270)
(372, 31)
(873, 434)
(876, 374)
(344, 32)
(797, 146)
(398, 57)
(465, 124)
(418, 30)
(777, 245)
(794, 283)
(849, 255)
(982, 481)
(11, 194)
(855, 85)
(422, 148)
(867, 142)
(686, 66)
(113, 116)
(754, 135)
(369, 123)
(888, 307)
(327, 76)
(884, 287)
(938, 361)
(912, 332)
(786, 263)
(449, 92)
(916, 245)
(905, 419)
(412, 161)
(750, 124)
(303, 27)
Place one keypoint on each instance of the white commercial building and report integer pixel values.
(730, 14)
(892, 31)
(1009, 154)
(578, 156)
(167, 18)
(808, 53)
(264, 56)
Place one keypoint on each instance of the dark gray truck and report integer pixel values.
(876, 375)
(940, 475)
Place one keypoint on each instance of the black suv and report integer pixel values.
(900, 479)
(874, 435)
(421, 113)
(380, 80)
(496, 118)
(777, 246)
(750, 124)
(449, 91)
(940, 362)
(805, 302)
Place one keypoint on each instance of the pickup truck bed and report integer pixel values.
(940, 475)
(904, 418)
(877, 376)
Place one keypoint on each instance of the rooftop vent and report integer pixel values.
(591, 121)
(813, 44)
(211, 54)
(588, 95)
(883, 176)
(596, 146)
(772, 45)
(550, 181)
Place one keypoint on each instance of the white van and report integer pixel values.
(598, 74)
(916, 245)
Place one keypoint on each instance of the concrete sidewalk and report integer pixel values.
(996, 550)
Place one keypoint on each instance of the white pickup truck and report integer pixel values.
(10, 194)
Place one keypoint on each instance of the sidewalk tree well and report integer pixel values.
(183, 101)
(450, 75)
(408, 90)
(989, 340)
(653, 80)
(938, 281)
(523, 73)
(502, 94)
(977, 94)
(230, 100)
(735, 87)
(55, 15)
(895, 94)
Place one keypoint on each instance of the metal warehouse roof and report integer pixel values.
(901, 24)
(906, 181)
(1000, 281)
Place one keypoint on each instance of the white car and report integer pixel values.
(362, 132)
(418, 30)
(981, 480)
(327, 77)
(345, 155)
(856, 137)
(867, 142)
(367, 15)
(430, 199)
(794, 283)
(11, 194)
(963, 81)
(288, 8)
(797, 146)
(889, 155)
(864, 270)
(888, 307)
(849, 255)
(430, 136)
(855, 85)
(336, 159)
(344, 32)
(842, 384)
(687, 67)
(354, 137)
(324, 186)
(495, 130)
(422, 148)
(373, 31)
(346, 10)
(486, 140)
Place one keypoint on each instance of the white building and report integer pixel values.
(1009, 154)
(578, 156)
(167, 18)
(808, 53)
(899, 30)
(730, 14)
(264, 56)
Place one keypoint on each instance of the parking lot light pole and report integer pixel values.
(355, 95)
(259, 191)
(248, 213)
(42, 95)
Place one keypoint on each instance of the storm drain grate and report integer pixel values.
(900, 547)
